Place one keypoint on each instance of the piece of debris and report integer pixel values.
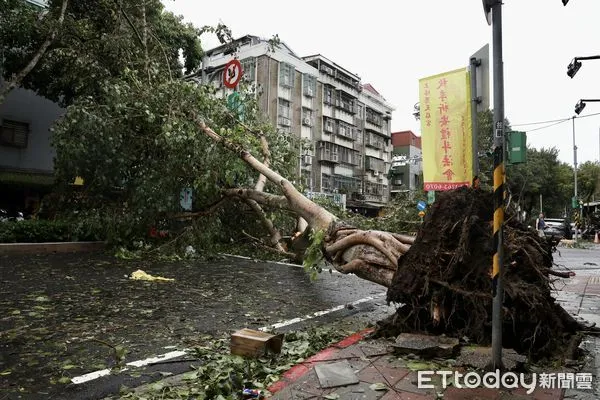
(250, 343)
(479, 357)
(426, 346)
(336, 374)
(190, 251)
(140, 275)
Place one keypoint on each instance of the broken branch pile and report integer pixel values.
(444, 280)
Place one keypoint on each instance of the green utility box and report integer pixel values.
(517, 147)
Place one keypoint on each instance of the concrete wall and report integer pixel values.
(25, 106)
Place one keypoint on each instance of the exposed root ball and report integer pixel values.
(444, 280)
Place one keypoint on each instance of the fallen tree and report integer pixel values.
(442, 277)
(138, 131)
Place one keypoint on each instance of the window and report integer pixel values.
(328, 124)
(248, 67)
(14, 133)
(284, 108)
(373, 117)
(309, 85)
(286, 75)
(328, 95)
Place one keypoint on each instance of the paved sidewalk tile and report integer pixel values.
(362, 391)
(398, 395)
(409, 384)
(453, 393)
(375, 373)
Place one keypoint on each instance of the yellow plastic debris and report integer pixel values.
(143, 276)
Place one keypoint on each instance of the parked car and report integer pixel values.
(557, 228)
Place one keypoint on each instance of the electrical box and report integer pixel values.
(517, 147)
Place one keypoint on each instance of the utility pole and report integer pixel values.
(495, 6)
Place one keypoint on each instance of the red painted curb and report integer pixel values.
(299, 370)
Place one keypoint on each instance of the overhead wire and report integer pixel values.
(553, 122)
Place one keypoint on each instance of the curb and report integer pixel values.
(299, 370)
(51, 247)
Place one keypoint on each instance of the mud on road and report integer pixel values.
(65, 315)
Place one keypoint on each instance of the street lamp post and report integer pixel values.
(575, 172)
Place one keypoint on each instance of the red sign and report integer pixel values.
(232, 74)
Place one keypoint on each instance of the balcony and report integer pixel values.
(327, 156)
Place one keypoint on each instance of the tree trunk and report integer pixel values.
(16, 80)
(371, 255)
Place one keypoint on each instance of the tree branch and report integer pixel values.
(266, 199)
(363, 237)
(275, 236)
(137, 34)
(316, 216)
(18, 78)
(272, 249)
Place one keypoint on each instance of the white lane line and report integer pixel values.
(318, 314)
(140, 363)
(174, 354)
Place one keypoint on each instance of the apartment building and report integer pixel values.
(346, 123)
(407, 167)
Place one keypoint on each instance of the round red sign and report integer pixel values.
(232, 74)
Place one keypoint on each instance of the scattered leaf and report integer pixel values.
(332, 396)
(64, 380)
(378, 386)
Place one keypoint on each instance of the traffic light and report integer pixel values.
(573, 68)
(579, 107)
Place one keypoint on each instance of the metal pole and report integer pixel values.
(473, 63)
(499, 174)
(575, 175)
(541, 205)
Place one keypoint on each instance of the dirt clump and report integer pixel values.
(444, 281)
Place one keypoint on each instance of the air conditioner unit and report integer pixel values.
(307, 121)
(307, 159)
(376, 173)
(309, 92)
(334, 157)
(285, 122)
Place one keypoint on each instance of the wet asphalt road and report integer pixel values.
(61, 315)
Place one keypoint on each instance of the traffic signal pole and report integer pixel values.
(499, 175)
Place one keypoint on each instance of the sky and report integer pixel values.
(393, 46)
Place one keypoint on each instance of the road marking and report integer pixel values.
(317, 314)
(174, 354)
(594, 280)
(139, 363)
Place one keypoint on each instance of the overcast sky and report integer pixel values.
(393, 44)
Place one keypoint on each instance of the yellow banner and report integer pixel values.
(445, 108)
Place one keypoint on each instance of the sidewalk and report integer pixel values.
(360, 368)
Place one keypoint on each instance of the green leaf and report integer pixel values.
(378, 386)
